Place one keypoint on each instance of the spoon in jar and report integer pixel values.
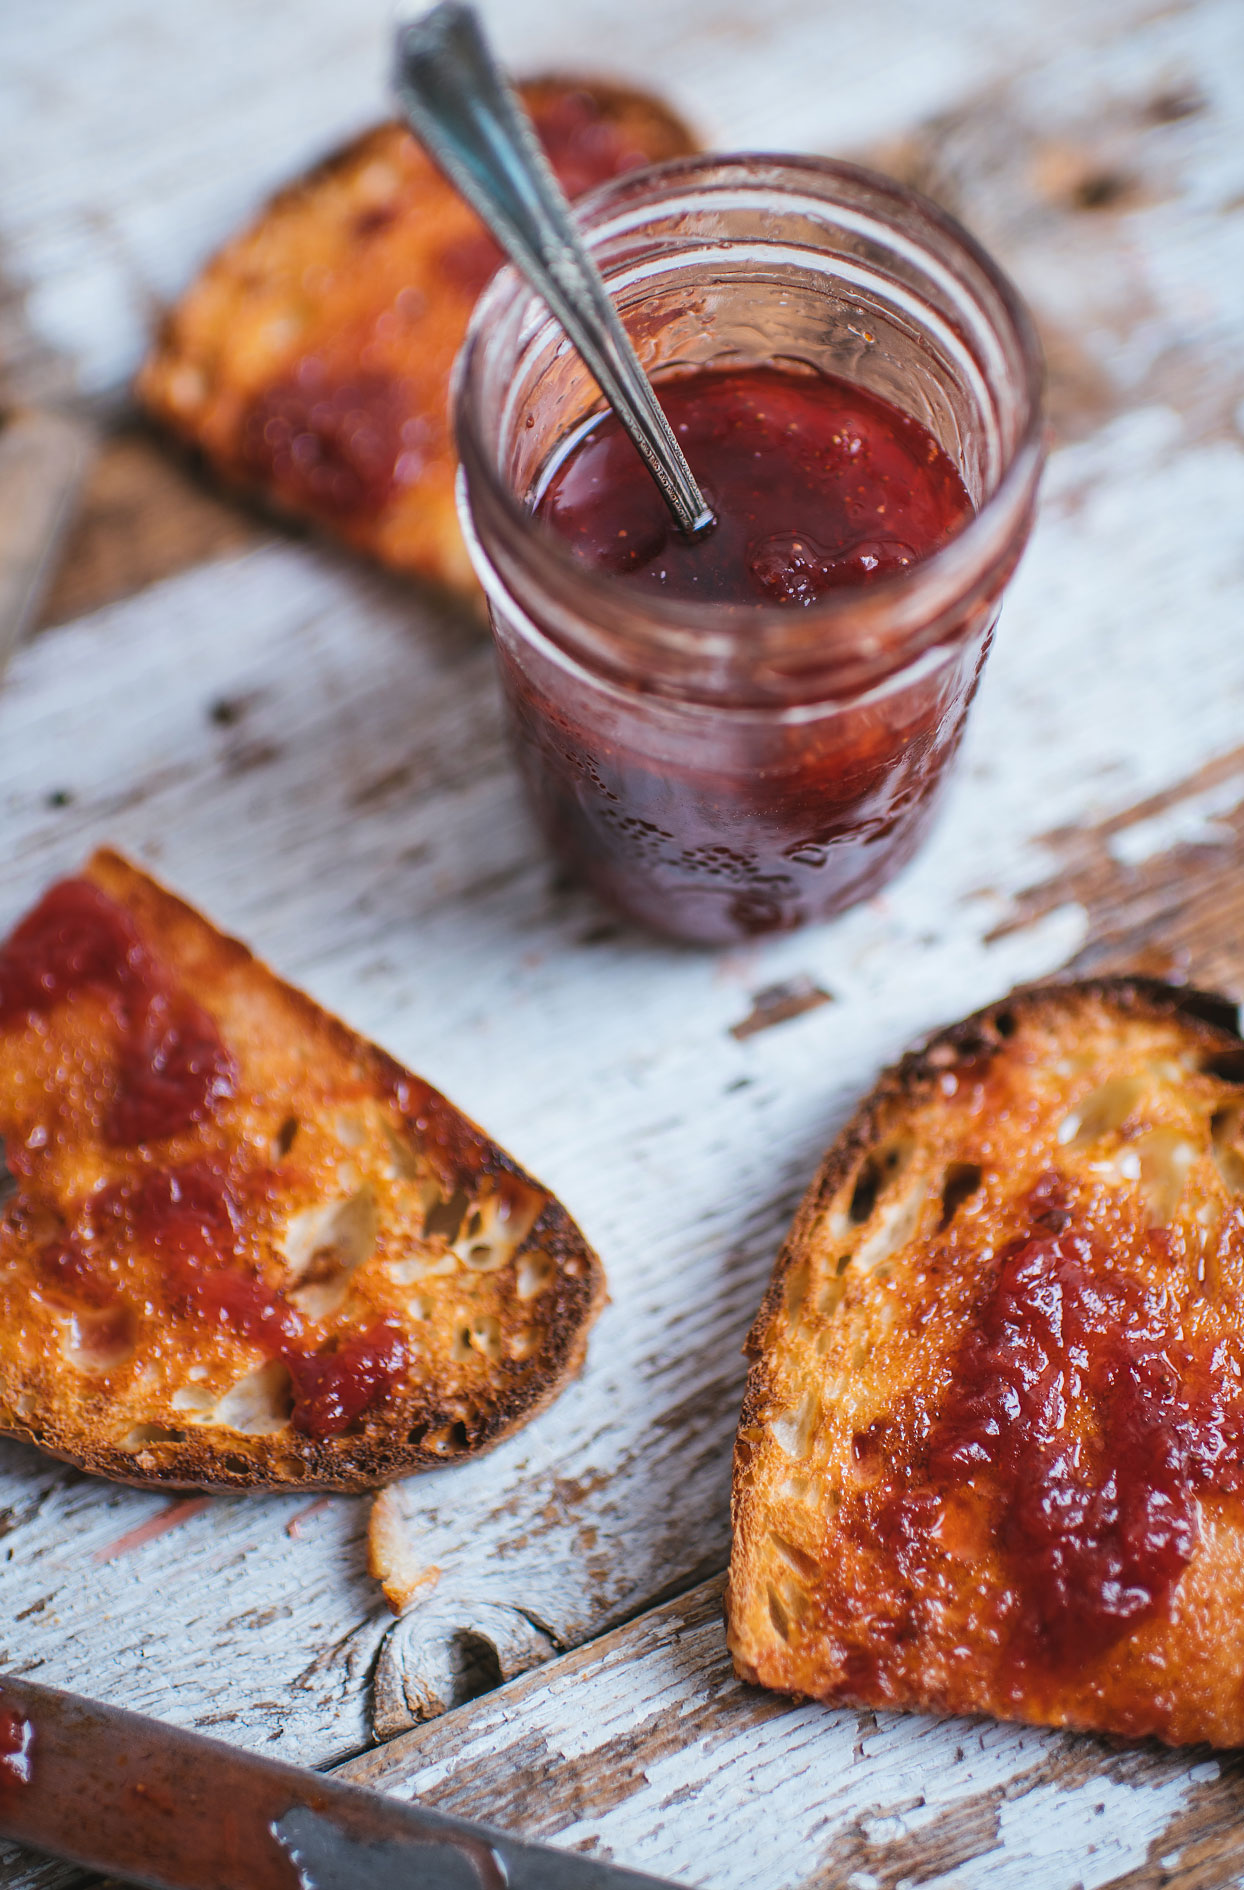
(465, 114)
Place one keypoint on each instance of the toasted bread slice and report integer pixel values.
(992, 1449)
(311, 358)
(239, 1246)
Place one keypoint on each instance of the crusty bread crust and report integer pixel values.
(368, 1200)
(310, 360)
(1122, 1097)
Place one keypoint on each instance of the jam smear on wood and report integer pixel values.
(817, 486)
(172, 1068)
(1088, 1427)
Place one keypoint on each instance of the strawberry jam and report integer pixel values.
(816, 486)
(1087, 1425)
(171, 1068)
(716, 828)
(193, 1219)
(739, 735)
(333, 1388)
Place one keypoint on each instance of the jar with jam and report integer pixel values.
(737, 734)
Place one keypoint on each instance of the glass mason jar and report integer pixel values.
(718, 771)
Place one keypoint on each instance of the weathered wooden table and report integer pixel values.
(314, 755)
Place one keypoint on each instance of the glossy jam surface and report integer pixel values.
(1087, 1424)
(817, 486)
(332, 1389)
(333, 441)
(716, 825)
(192, 1219)
(205, 1224)
(171, 1066)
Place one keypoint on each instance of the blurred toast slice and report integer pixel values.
(311, 358)
(240, 1246)
(991, 1454)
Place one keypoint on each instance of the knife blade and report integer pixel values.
(142, 1800)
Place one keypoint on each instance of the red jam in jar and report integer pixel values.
(741, 734)
(815, 486)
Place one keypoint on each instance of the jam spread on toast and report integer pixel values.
(171, 1067)
(1086, 1422)
(333, 1388)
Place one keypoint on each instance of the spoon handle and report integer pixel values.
(462, 110)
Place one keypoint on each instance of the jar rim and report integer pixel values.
(872, 630)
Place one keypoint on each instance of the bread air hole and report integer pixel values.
(1227, 1065)
(258, 1404)
(139, 1435)
(1102, 1112)
(479, 1336)
(1224, 1129)
(793, 1430)
(874, 1178)
(896, 1222)
(351, 1130)
(405, 1162)
(285, 1137)
(496, 1227)
(485, 1335)
(963, 1180)
(324, 1246)
(1166, 1156)
(803, 1565)
(8, 1180)
(536, 1273)
(777, 1614)
(100, 1339)
(422, 1266)
(445, 1217)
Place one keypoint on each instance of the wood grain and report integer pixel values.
(645, 1748)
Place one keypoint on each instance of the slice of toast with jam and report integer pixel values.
(310, 360)
(240, 1246)
(991, 1456)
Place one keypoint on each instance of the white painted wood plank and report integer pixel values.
(644, 1748)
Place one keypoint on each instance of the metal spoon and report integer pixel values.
(463, 111)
